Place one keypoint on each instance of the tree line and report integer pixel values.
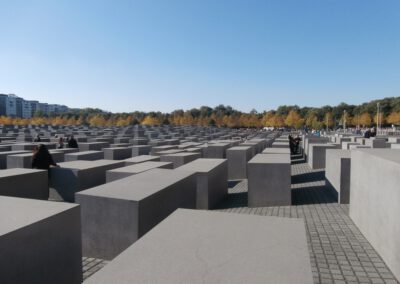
(293, 116)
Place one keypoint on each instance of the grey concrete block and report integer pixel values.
(214, 247)
(179, 159)
(140, 150)
(117, 153)
(24, 160)
(27, 183)
(115, 174)
(217, 150)
(75, 176)
(374, 201)
(84, 156)
(212, 181)
(237, 161)
(116, 214)
(317, 154)
(269, 179)
(337, 173)
(4, 155)
(92, 146)
(156, 149)
(376, 143)
(141, 159)
(280, 144)
(276, 151)
(40, 242)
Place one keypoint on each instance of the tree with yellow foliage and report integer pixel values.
(151, 120)
(365, 119)
(294, 120)
(394, 118)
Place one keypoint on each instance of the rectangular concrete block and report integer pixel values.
(4, 155)
(214, 247)
(276, 151)
(317, 154)
(40, 242)
(141, 159)
(179, 159)
(212, 181)
(139, 150)
(92, 146)
(75, 176)
(237, 161)
(117, 153)
(26, 183)
(374, 201)
(269, 180)
(117, 214)
(115, 174)
(84, 156)
(337, 173)
(217, 150)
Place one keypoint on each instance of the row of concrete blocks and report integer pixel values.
(181, 249)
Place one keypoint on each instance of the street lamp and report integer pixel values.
(344, 120)
(377, 116)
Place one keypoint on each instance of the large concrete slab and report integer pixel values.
(337, 173)
(179, 159)
(84, 156)
(27, 183)
(117, 153)
(115, 174)
(269, 179)
(237, 161)
(4, 155)
(116, 214)
(75, 176)
(40, 242)
(212, 181)
(211, 247)
(317, 154)
(141, 159)
(374, 201)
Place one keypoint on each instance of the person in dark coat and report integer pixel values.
(72, 142)
(42, 158)
(367, 133)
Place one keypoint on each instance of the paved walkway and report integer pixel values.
(339, 252)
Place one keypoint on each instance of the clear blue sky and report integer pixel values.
(164, 55)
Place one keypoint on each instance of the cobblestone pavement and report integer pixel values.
(339, 252)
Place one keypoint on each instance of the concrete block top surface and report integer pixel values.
(16, 212)
(83, 165)
(276, 151)
(141, 167)
(138, 187)
(392, 155)
(84, 153)
(239, 148)
(142, 158)
(18, 171)
(214, 247)
(182, 154)
(339, 153)
(270, 159)
(202, 165)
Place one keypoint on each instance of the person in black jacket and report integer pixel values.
(42, 158)
(72, 142)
